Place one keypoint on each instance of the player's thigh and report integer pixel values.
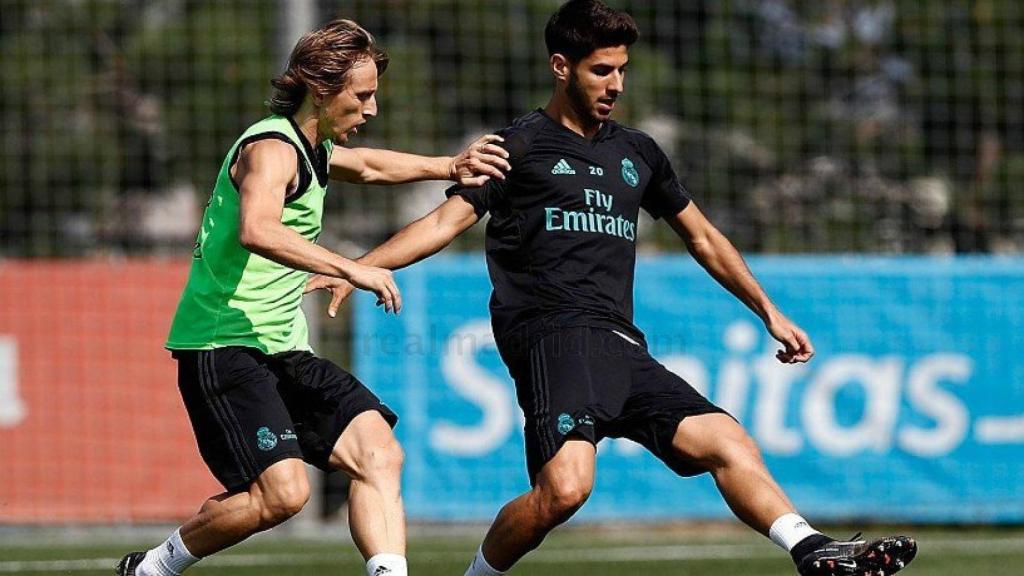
(660, 405)
(327, 403)
(241, 424)
(713, 440)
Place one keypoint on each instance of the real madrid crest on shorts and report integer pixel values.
(629, 173)
(565, 424)
(265, 439)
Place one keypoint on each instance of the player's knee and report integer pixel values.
(380, 463)
(282, 502)
(562, 498)
(738, 451)
(744, 451)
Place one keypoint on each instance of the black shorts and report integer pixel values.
(250, 410)
(593, 383)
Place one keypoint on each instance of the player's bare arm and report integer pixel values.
(479, 162)
(424, 237)
(420, 239)
(265, 171)
(712, 250)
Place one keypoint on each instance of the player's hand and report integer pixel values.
(380, 282)
(339, 289)
(798, 345)
(479, 162)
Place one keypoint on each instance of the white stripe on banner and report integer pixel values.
(12, 408)
(998, 430)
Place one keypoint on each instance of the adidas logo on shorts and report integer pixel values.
(562, 168)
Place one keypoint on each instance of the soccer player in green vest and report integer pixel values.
(260, 402)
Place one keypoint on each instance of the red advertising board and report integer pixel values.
(92, 428)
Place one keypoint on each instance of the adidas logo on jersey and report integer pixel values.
(562, 168)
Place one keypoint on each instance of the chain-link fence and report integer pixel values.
(826, 126)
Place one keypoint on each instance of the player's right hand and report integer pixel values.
(338, 287)
(798, 345)
(379, 281)
(479, 162)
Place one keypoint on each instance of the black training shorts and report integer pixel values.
(250, 410)
(594, 383)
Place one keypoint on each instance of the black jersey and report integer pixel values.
(561, 241)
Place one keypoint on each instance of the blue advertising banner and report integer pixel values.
(912, 409)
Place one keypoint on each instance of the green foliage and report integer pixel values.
(91, 86)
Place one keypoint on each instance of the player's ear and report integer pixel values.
(318, 98)
(560, 67)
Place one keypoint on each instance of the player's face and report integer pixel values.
(597, 81)
(343, 113)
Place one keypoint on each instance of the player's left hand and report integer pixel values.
(479, 162)
(798, 345)
(339, 289)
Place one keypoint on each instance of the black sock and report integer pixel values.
(808, 545)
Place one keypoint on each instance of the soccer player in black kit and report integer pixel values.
(561, 254)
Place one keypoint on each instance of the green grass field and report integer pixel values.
(580, 550)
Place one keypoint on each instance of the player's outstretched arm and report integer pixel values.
(264, 171)
(417, 241)
(479, 162)
(424, 237)
(725, 264)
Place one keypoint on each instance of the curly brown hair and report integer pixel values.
(321, 61)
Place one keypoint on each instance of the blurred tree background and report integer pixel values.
(890, 126)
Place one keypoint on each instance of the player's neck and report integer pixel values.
(561, 111)
(307, 120)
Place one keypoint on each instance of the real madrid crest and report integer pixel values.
(629, 173)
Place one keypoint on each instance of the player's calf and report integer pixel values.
(369, 454)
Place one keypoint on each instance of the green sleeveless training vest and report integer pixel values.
(234, 297)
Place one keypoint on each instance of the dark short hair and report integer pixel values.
(321, 61)
(581, 26)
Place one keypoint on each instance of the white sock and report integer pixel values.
(168, 559)
(387, 565)
(789, 529)
(480, 567)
